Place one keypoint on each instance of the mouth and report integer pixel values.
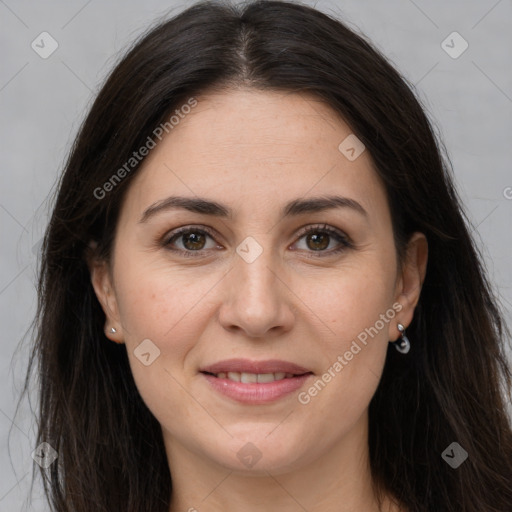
(251, 378)
(255, 382)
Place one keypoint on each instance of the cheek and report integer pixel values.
(357, 308)
(168, 307)
(352, 300)
(171, 307)
(157, 300)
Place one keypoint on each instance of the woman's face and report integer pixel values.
(247, 283)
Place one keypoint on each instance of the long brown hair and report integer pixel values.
(451, 388)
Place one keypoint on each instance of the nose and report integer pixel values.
(257, 300)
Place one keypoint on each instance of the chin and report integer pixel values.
(258, 456)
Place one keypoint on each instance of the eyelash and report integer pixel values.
(344, 241)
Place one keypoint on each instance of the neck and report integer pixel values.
(338, 480)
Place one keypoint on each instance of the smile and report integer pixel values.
(248, 378)
(255, 382)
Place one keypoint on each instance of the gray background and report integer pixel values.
(43, 101)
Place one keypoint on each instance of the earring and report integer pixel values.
(113, 330)
(403, 345)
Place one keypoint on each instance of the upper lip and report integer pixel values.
(248, 366)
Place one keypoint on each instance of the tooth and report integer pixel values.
(289, 375)
(266, 377)
(247, 378)
(221, 375)
(279, 375)
(234, 376)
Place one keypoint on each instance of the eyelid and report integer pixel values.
(324, 228)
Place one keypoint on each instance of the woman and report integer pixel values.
(258, 289)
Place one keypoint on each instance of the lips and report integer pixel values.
(248, 378)
(255, 382)
(274, 366)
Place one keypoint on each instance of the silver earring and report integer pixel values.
(403, 345)
(113, 330)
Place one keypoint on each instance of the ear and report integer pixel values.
(102, 282)
(411, 278)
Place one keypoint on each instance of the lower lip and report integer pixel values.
(256, 393)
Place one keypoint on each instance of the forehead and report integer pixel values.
(255, 148)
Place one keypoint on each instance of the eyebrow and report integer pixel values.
(293, 208)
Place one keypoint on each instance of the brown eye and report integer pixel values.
(319, 238)
(189, 240)
(193, 241)
(317, 241)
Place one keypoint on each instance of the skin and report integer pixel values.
(254, 151)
